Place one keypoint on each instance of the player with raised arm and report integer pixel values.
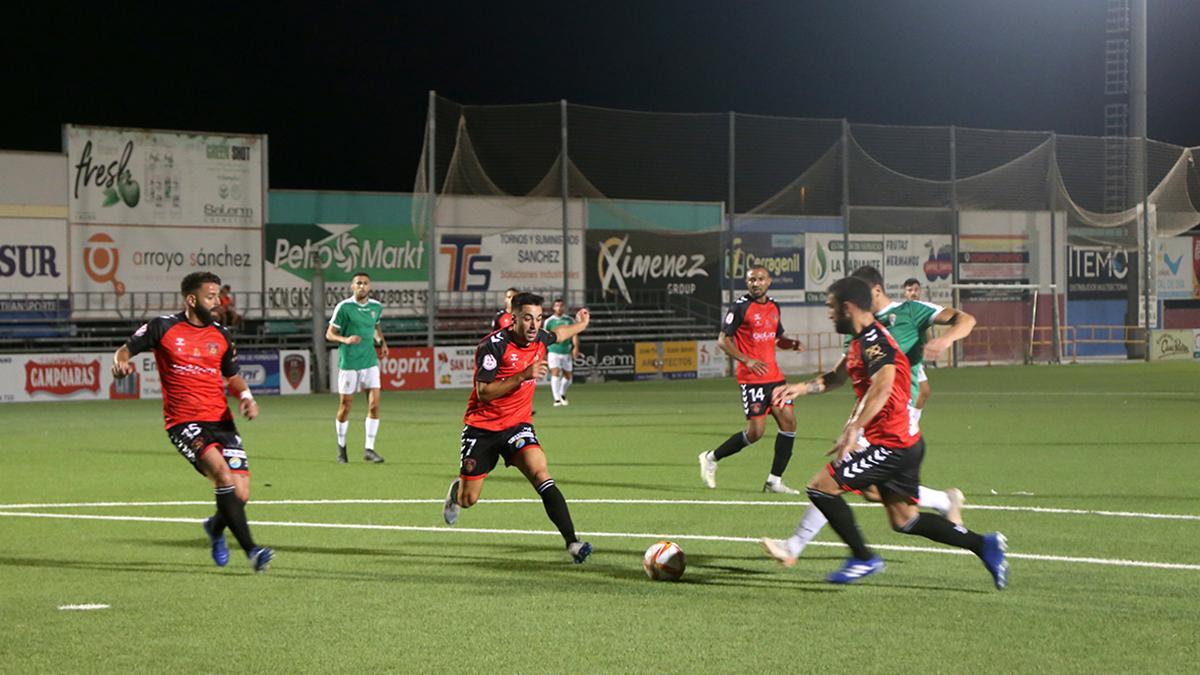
(508, 364)
(891, 459)
(908, 324)
(355, 327)
(751, 330)
(562, 355)
(196, 360)
(912, 292)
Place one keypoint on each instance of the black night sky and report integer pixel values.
(342, 88)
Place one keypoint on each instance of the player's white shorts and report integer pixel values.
(563, 362)
(921, 376)
(354, 381)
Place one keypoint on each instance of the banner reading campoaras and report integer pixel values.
(148, 177)
(344, 233)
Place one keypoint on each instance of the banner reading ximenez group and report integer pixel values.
(147, 207)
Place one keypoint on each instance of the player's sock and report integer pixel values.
(731, 446)
(217, 522)
(837, 511)
(562, 388)
(556, 386)
(341, 431)
(556, 508)
(372, 427)
(928, 498)
(937, 528)
(783, 452)
(234, 512)
(810, 524)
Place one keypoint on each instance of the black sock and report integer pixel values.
(234, 512)
(783, 452)
(218, 522)
(556, 508)
(837, 512)
(731, 446)
(932, 526)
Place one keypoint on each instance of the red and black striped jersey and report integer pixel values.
(193, 362)
(869, 351)
(499, 357)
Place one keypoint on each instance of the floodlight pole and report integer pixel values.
(563, 178)
(845, 197)
(430, 216)
(1056, 338)
(1137, 73)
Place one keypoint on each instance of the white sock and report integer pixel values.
(556, 386)
(341, 431)
(772, 479)
(562, 388)
(937, 500)
(810, 524)
(372, 429)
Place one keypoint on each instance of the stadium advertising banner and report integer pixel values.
(781, 254)
(530, 260)
(606, 361)
(825, 253)
(260, 369)
(144, 177)
(1173, 345)
(454, 367)
(928, 258)
(494, 243)
(33, 255)
(1196, 266)
(680, 360)
(342, 233)
(711, 361)
(1175, 268)
(1095, 273)
(113, 261)
(626, 263)
(404, 369)
(648, 360)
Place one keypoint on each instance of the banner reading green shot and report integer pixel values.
(342, 234)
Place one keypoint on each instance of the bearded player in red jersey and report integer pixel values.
(196, 358)
(892, 460)
(751, 331)
(508, 364)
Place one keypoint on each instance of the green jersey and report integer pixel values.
(352, 318)
(553, 322)
(907, 322)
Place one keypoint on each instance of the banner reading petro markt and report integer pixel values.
(150, 177)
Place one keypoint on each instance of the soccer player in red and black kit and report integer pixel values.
(196, 357)
(751, 331)
(508, 364)
(892, 460)
(504, 316)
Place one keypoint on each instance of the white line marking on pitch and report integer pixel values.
(652, 502)
(1115, 562)
(82, 608)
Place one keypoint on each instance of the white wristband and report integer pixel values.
(247, 396)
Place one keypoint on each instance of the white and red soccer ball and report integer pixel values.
(664, 561)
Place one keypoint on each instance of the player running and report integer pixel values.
(508, 364)
(891, 460)
(908, 323)
(561, 354)
(751, 331)
(196, 358)
(354, 325)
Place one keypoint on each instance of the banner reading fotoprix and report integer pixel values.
(624, 264)
(33, 255)
(113, 261)
(144, 177)
(404, 369)
(344, 233)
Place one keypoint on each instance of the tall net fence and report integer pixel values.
(971, 213)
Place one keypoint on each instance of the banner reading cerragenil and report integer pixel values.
(781, 254)
(148, 177)
(343, 234)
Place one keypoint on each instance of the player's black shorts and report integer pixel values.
(756, 398)
(893, 470)
(481, 449)
(191, 439)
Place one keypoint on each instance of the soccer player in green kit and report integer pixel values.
(561, 355)
(907, 323)
(355, 326)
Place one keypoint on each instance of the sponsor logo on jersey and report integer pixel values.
(489, 362)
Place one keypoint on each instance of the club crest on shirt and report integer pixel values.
(489, 362)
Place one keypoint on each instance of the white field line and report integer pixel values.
(1114, 562)
(649, 502)
(83, 608)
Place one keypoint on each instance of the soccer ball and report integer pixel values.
(664, 561)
